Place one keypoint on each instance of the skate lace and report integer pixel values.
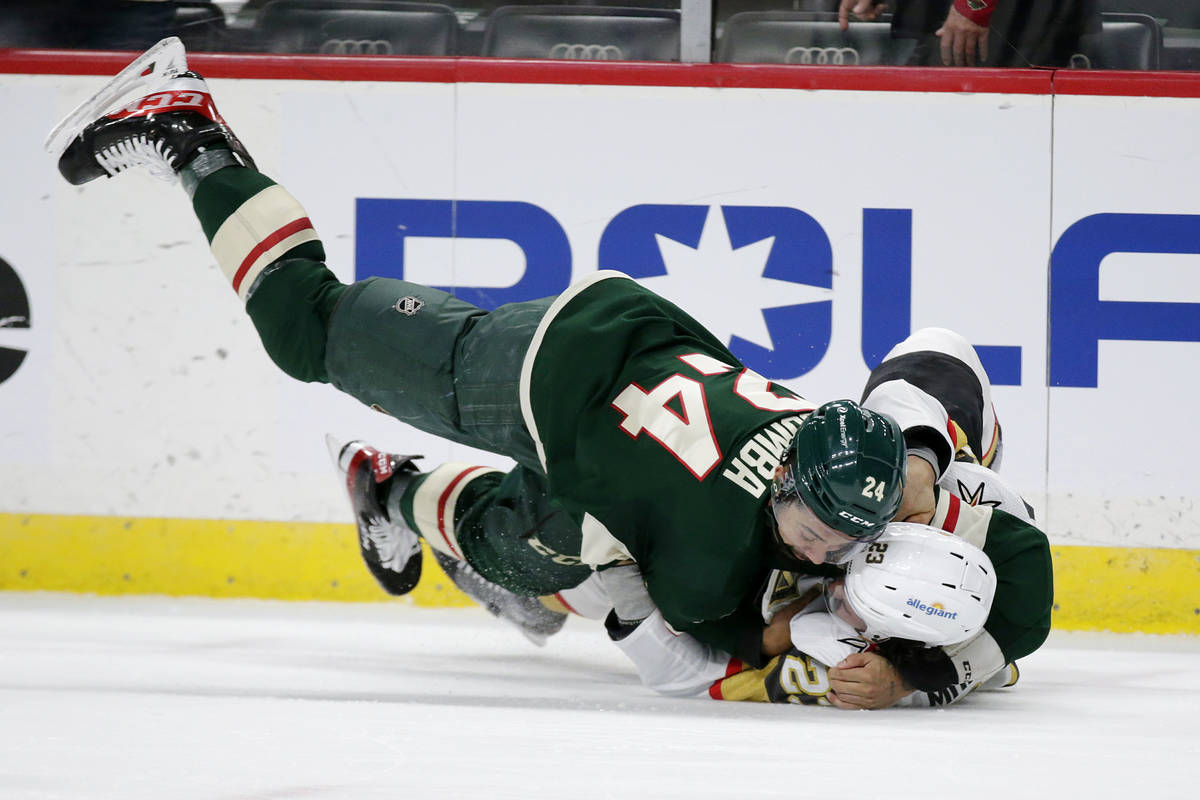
(138, 151)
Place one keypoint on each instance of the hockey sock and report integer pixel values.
(267, 248)
(250, 222)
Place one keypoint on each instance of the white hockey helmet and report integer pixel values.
(920, 583)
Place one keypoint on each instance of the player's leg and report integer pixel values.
(944, 365)
(420, 354)
(470, 515)
(391, 548)
(442, 365)
(505, 525)
(438, 363)
(529, 615)
(254, 227)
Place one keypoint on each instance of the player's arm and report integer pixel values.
(924, 420)
(801, 679)
(1020, 617)
(670, 663)
(678, 664)
(934, 385)
(789, 678)
(740, 634)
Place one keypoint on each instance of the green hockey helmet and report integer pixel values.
(846, 464)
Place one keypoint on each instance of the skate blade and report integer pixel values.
(539, 639)
(145, 75)
(335, 447)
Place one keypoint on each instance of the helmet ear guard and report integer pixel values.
(847, 464)
(920, 583)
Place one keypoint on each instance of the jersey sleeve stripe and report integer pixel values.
(734, 666)
(952, 512)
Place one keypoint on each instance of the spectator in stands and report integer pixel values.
(991, 33)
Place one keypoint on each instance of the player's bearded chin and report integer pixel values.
(810, 541)
(783, 552)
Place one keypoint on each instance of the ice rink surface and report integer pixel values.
(162, 698)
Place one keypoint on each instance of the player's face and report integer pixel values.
(835, 594)
(808, 538)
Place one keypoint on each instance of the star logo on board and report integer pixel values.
(766, 274)
(733, 305)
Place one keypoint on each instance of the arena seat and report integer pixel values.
(1170, 13)
(594, 33)
(1181, 49)
(797, 37)
(357, 27)
(199, 25)
(1126, 41)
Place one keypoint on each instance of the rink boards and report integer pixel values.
(148, 445)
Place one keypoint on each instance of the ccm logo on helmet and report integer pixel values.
(866, 523)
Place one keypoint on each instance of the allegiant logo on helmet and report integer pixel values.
(934, 610)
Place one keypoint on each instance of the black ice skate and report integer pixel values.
(531, 618)
(155, 114)
(391, 549)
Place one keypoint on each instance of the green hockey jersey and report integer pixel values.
(650, 429)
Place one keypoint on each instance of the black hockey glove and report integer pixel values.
(926, 669)
(617, 629)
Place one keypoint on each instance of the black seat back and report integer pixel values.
(790, 37)
(593, 33)
(357, 27)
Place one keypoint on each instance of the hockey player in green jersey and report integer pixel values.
(639, 440)
(932, 378)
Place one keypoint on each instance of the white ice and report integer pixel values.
(165, 698)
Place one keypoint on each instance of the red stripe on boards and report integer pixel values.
(420, 69)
